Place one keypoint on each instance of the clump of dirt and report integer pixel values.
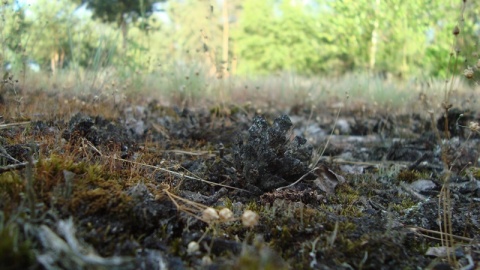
(15, 153)
(267, 159)
(100, 132)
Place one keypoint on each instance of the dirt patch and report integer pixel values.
(363, 191)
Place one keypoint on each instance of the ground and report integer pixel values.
(101, 185)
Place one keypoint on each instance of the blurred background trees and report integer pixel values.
(121, 12)
(404, 38)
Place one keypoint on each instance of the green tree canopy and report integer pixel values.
(273, 37)
(12, 28)
(60, 37)
(120, 12)
(401, 37)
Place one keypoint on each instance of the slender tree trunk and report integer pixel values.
(54, 59)
(57, 59)
(374, 40)
(124, 29)
(225, 72)
(52, 64)
(61, 59)
(404, 68)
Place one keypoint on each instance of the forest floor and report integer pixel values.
(92, 185)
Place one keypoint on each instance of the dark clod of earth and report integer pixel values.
(267, 159)
(129, 192)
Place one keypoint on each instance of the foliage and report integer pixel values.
(50, 33)
(192, 20)
(15, 252)
(437, 58)
(12, 25)
(287, 38)
(404, 38)
(197, 30)
(120, 11)
(51, 25)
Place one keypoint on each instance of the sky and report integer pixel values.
(81, 10)
(159, 9)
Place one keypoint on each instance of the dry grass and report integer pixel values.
(193, 88)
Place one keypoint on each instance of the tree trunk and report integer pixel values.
(225, 72)
(374, 40)
(124, 29)
(57, 59)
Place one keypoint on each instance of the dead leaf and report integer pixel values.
(327, 180)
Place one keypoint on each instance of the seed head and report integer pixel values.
(456, 30)
(225, 214)
(206, 260)
(474, 126)
(468, 73)
(250, 218)
(210, 214)
(193, 247)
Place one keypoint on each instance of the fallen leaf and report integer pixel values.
(327, 180)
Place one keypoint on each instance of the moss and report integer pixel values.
(359, 252)
(94, 189)
(307, 216)
(50, 174)
(282, 237)
(255, 207)
(14, 252)
(176, 247)
(408, 176)
(11, 186)
(473, 171)
(405, 204)
(476, 173)
(235, 109)
(96, 194)
(348, 198)
(259, 259)
(216, 111)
